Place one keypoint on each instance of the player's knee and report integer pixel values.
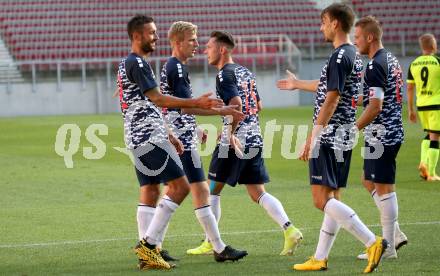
(200, 190)
(150, 189)
(183, 190)
(149, 194)
(180, 190)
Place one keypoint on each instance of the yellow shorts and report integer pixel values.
(430, 120)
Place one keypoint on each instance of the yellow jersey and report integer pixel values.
(424, 72)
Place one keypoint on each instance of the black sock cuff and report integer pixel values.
(328, 233)
(262, 194)
(146, 205)
(205, 206)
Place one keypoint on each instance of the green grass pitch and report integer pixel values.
(81, 221)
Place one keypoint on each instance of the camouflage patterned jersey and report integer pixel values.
(384, 71)
(235, 80)
(143, 122)
(342, 73)
(174, 81)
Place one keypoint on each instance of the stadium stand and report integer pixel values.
(44, 30)
(411, 18)
(8, 71)
(88, 29)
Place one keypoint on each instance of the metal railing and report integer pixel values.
(287, 55)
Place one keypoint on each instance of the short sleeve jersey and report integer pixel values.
(384, 71)
(143, 121)
(175, 81)
(424, 72)
(236, 80)
(342, 72)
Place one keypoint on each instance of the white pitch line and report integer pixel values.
(187, 235)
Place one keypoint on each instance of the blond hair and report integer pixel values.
(370, 25)
(179, 28)
(427, 42)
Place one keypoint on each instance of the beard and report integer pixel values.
(147, 47)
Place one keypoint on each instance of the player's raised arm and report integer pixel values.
(291, 82)
(204, 101)
(222, 111)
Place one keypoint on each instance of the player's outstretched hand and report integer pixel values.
(237, 146)
(289, 83)
(412, 117)
(176, 143)
(306, 151)
(206, 102)
(231, 110)
(202, 135)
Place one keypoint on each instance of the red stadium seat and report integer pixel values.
(58, 29)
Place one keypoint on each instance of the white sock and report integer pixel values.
(347, 218)
(388, 215)
(162, 236)
(275, 209)
(209, 224)
(162, 216)
(214, 201)
(144, 216)
(377, 201)
(327, 236)
(396, 225)
(376, 198)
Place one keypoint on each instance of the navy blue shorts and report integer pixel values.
(383, 169)
(192, 166)
(327, 170)
(156, 164)
(230, 169)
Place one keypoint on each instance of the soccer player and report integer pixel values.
(382, 103)
(146, 135)
(175, 81)
(238, 155)
(424, 76)
(327, 148)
